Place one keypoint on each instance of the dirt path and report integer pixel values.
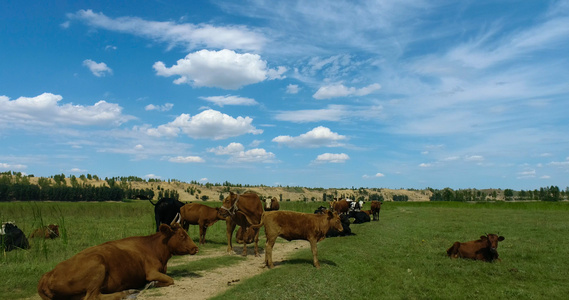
(213, 282)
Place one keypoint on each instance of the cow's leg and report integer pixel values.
(269, 252)
(160, 278)
(257, 243)
(453, 250)
(245, 229)
(230, 225)
(203, 228)
(314, 248)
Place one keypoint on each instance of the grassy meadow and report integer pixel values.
(402, 256)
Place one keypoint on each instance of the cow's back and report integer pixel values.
(292, 225)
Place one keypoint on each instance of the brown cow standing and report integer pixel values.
(243, 210)
(340, 206)
(375, 208)
(111, 270)
(271, 204)
(50, 231)
(201, 215)
(483, 249)
(248, 237)
(292, 225)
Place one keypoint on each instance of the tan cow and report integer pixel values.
(291, 225)
(243, 210)
(50, 231)
(111, 270)
(201, 215)
(484, 249)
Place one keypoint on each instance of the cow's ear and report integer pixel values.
(501, 238)
(483, 237)
(165, 229)
(330, 215)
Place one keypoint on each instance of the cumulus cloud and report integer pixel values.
(224, 69)
(237, 153)
(186, 159)
(209, 124)
(165, 107)
(332, 158)
(98, 69)
(377, 175)
(46, 110)
(230, 100)
(340, 90)
(190, 36)
(318, 137)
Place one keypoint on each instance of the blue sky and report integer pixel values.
(392, 94)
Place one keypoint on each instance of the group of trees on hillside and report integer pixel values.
(551, 193)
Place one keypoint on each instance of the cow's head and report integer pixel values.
(53, 230)
(178, 240)
(229, 205)
(492, 240)
(335, 221)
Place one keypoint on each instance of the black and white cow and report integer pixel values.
(12, 237)
(165, 210)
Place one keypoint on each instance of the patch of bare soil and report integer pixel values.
(212, 282)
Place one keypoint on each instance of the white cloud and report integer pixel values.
(318, 137)
(98, 69)
(425, 165)
(209, 124)
(340, 90)
(77, 170)
(292, 89)
(45, 110)
(152, 176)
(223, 69)
(186, 159)
(237, 153)
(473, 158)
(379, 175)
(333, 113)
(230, 100)
(332, 158)
(189, 36)
(12, 167)
(165, 107)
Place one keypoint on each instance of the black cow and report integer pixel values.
(343, 218)
(12, 237)
(359, 217)
(165, 210)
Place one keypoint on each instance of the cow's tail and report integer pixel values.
(152, 202)
(453, 249)
(257, 226)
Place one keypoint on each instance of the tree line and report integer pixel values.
(549, 193)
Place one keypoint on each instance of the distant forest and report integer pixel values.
(14, 186)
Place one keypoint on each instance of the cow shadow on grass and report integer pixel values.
(182, 273)
(300, 261)
(250, 250)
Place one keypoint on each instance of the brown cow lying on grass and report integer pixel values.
(111, 270)
(483, 249)
(50, 231)
(291, 225)
(201, 215)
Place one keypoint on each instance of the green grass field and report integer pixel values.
(402, 256)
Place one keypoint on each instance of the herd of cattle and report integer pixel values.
(113, 270)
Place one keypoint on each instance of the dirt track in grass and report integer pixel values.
(209, 283)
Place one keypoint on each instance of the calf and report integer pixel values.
(483, 249)
(165, 210)
(50, 231)
(375, 209)
(245, 236)
(201, 215)
(112, 269)
(12, 237)
(292, 225)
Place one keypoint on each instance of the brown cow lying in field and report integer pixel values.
(483, 249)
(201, 215)
(292, 225)
(50, 231)
(111, 270)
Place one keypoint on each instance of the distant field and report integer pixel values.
(400, 257)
